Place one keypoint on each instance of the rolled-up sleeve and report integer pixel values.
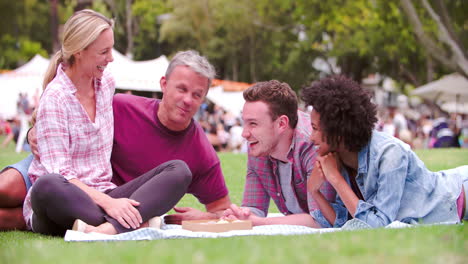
(308, 162)
(340, 211)
(255, 196)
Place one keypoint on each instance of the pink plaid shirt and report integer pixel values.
(70, 144)
(263, 182)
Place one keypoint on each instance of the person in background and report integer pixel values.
(24, 112)
(236, 140)
(14, 184)
(398, 119)
(464, 132)
(10, 128)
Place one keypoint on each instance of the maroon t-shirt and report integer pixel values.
(142, 142)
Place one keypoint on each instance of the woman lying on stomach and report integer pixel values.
(378, 178)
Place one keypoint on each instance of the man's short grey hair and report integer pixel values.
(195, 61)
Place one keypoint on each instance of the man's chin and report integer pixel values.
(183, 118)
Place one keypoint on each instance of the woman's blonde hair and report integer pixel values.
(80, 30)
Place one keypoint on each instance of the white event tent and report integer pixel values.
(229, 101)
(451, 92)
(25, 79)
(138, 75)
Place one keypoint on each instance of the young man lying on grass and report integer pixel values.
(280, 158)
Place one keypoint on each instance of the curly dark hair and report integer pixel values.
(346, 111)
(280, 98)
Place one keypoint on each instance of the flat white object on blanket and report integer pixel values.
(175, 231)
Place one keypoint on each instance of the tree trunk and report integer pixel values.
(353, 66)
(455, 59)
(235, 68)
(54, 26)
(83, 4)
(447, 21)
(430, 69)
(458, 55)
(129, 28)
(253, 72)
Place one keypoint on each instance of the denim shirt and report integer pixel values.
(397, 186)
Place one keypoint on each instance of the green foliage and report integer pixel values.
(24, 31)
(66, 10)
(15, 52)
(246, 40)
(258, 40)
(365, 36)
(190, 25)
(146, 13)
(101, 7)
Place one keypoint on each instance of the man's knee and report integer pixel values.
(12, 188)
(182, 173)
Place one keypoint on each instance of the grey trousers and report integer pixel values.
(57, 203)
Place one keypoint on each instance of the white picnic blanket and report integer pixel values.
(175, 231)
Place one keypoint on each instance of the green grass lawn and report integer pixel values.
(424, 244)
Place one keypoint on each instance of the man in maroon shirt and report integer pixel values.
(148, 132)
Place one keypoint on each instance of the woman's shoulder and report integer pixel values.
(55, 90)
(382, 142)
(382, 138)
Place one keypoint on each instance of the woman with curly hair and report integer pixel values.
(378, 178)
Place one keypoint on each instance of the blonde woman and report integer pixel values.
(72, 174)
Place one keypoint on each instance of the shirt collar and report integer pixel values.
(290, 151)
(291, 147)
(63, 78)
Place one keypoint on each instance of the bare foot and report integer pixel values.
(105, 228)
(154, 222)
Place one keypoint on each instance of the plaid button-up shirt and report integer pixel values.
(69, 143)
(263, 182)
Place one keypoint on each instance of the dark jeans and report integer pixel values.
(57, 203)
